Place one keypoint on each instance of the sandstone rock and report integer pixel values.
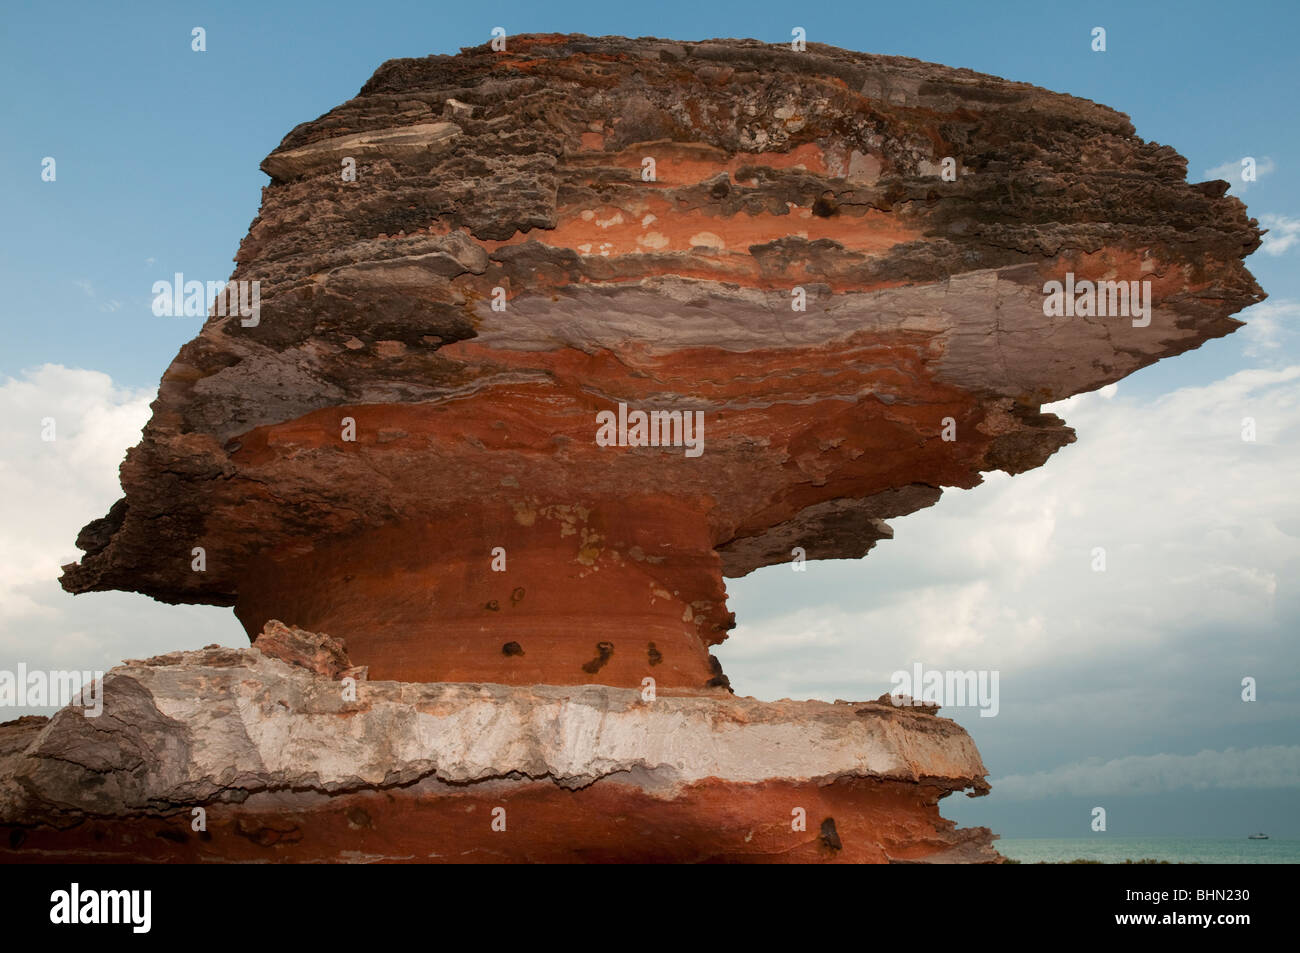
(286, 767)
(832, 266)
(809, 173)
(456, 110)
(407, 142)
(486, 287)
(320, 653)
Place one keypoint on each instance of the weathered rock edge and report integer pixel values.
(380, 302)
(218, 726)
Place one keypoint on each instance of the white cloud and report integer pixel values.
(1231, 171)
(51, 488)
(1269, 325)
(1283, 233)
(1201, 532)
(48, 491)
(1274, 766)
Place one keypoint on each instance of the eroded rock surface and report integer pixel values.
(833, 265)
(505, 267)
(290, 761)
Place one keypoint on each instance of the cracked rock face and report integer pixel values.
(832, 264)
(290, 761)
(547, 343)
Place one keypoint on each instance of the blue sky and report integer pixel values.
(157, 150)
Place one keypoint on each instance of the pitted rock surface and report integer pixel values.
(291, 763)
(505, 267)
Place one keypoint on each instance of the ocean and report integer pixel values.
(1115, 850)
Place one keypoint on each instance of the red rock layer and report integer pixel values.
(620, 562)
(504, 266)
(286, 752)
(606, 593)
(857, 821)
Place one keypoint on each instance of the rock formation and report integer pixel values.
(285, 767)
(549, 342)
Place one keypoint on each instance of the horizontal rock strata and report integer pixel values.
(546, 343)
(536, 236)
(289, 764)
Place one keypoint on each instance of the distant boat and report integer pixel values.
(1257, 837)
